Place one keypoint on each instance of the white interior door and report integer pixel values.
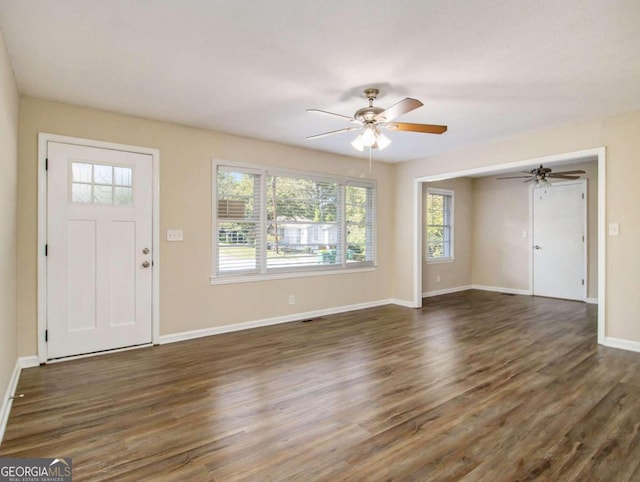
(99, 242)
(559, 240)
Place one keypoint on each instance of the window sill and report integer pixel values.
(223, 280)
(440, 260)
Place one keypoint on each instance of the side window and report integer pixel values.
(238, 221)
(439, 224)
(360, 223)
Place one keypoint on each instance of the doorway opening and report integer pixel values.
(597, 155)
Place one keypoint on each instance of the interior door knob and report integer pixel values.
(146, 264)
(537, 247)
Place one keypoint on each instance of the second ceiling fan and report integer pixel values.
(541, 175)
(370, 120)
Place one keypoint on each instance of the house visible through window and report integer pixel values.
(270, 221)
(439, 224)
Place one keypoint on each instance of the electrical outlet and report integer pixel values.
(437, 278)
(614, 229)
(174, 235)
(292, 300)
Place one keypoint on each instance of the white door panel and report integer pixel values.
(559, 240)
(99, 222)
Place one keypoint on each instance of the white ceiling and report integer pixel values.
(488, 69)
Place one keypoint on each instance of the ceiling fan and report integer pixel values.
(541, 175)
(370, 120)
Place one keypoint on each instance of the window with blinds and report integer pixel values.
(238, 221)
(439, 224)
(303, 222)
(270, 221)
(359, 214)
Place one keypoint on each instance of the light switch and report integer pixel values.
(174, 235)
(524, 234)
(614, 229)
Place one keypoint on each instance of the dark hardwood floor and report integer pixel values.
(474, 386)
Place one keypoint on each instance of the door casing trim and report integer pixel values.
(43, 140)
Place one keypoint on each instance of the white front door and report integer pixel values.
(99, 242)
(559, 240)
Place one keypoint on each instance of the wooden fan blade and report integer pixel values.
(318, 136)
(424, 128)
(529, 180)
(568, 172)
(516, 177)
(396, 110)
(561, 176)
(332, 114)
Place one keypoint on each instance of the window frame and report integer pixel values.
(263, 272)
(451, 194)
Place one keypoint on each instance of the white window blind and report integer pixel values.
(360, 216)
(238, 221)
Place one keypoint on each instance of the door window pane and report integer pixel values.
(102, 194)
(122, 196)
(122, 176)
(102, 174)
(80, 193)
(80, 172)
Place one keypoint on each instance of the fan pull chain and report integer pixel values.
(369, 160)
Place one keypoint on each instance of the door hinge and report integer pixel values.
(46, 164)
(583, 282)
(582, 195)
(46, 335)
(583, 238)
(46, 250)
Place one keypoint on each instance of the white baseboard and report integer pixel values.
(216, 330)
(499, 289)
(592, 301)
(621, 344)
(29, 361)
(5, 409)
(405, 303)
(446, 291)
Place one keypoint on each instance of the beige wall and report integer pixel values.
(456, 273)
(500, 253)
(187, 301)
(620, 136)
(9, 111)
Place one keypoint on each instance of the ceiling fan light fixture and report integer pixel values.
(543, 181)
(382, 141)
(369, 136)
(358, 143)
